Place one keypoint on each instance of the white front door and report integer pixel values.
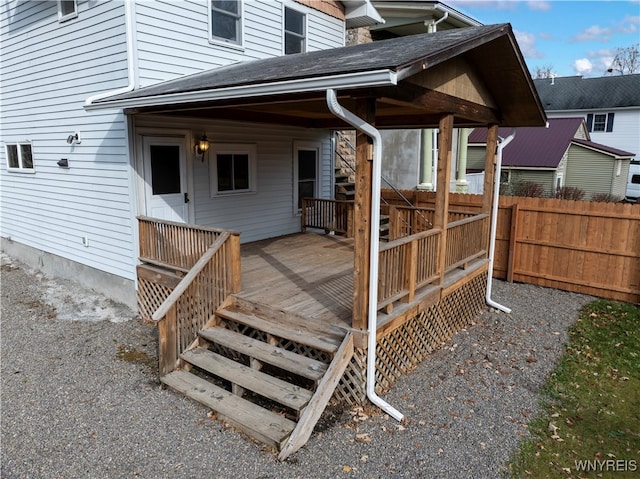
(165, 178)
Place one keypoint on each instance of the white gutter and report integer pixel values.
(384, 77)
(432, 27)
(366, 128)
(494, 222)
(130, 28)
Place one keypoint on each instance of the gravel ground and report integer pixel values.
(81, 399)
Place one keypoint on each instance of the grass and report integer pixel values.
(592, 406)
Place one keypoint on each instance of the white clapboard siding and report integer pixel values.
(173, 39)
(49, 69)
(269, 211)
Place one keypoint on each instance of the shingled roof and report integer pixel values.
(414, 80)
(539, 147)
(578, 93)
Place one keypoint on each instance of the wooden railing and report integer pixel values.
(328, 215)
(408, 220)
(174, 245)
(466, 240)
(196, 298)
(411, 262)
(406, 264)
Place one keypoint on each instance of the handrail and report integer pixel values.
(408, 239)
(470, 219)
(173, 297)
(182, 225)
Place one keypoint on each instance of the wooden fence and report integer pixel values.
(328, 215)
(580, 246)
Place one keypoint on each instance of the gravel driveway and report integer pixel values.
(81, 399)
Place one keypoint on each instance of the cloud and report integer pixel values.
(593, 33)
(527, 43)
(629, 24)
(582, 66)
(539, 5)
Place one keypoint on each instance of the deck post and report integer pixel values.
(234, 268)
(441, 213)
(365, 109)
(489, 175)
(168, 349)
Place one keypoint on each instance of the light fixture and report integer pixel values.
(75, 138)
(63, 163)
(202, 146)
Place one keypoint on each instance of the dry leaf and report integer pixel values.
(364, 438)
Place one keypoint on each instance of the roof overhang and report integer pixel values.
(476, 74)
(361, 13)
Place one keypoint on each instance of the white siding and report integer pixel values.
(626, 125)
(269, 211)
(48, 71)
(172, 37)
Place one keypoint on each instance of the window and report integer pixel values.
(67, 9)
(559, 180)
(618, 167)
(226, 21)
(306, 159)
(635, 179)
(232, 168)
(600, 122)
(294, 31)
(20, 157)
(504, 176)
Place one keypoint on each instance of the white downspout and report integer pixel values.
(129, 28)
(366, 128)
(494, 222)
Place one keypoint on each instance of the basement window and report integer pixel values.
(233, 169)
(19, 157)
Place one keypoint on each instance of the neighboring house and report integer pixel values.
(610, 106)
(72, 180)
(560, 155)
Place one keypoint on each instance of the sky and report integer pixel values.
(571, 37)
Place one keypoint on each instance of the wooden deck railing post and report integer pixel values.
(234, 265)
(441, 214)
(489, 175)
(411, 268)
(168, 346)
(365, 109)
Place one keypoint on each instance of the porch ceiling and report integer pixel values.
(476, 73)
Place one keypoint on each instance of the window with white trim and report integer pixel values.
(600, 122)
(67, 9)
(294, 31)
(232, 168)
(19, 157)
(505, 176)
(225, 21)
(306, 161)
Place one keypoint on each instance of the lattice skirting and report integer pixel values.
(403, 348)
(150, 296)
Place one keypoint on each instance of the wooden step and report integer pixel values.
(259, 423)
(260, 383)
(346, 185)
(284, 326)
(289, 361)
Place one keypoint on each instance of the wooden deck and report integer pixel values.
(307, 274)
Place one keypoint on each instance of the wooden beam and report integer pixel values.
(441, 213)
(489, 168)
(365, 109)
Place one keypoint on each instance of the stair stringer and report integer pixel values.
(311, 414)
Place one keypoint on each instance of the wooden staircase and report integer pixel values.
(268, 373)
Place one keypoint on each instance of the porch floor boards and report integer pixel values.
(308, 275)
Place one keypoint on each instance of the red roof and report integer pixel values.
(534, 146)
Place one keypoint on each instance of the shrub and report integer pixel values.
(605, 198)
(569, 193)
(528, 188)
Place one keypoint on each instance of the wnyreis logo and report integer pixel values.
(613, 465)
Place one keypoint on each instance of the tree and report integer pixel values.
(544, 71)
(626, 61)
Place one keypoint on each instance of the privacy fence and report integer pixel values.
(580, 246)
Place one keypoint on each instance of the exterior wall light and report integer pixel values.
(202, 146)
